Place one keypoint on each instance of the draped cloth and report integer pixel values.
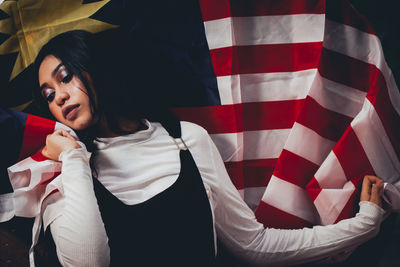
(309, 106)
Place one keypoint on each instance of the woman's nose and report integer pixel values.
(61, 97)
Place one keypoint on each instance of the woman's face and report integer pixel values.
(65, 93)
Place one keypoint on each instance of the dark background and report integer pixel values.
(385, 18)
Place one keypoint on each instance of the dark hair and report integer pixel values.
(122, 76)
(71, 48)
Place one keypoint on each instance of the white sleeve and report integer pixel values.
(79, 233)
(238, 229)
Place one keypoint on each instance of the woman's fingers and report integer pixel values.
(376, 193)
(62, 132)
(44, 152)
(373, 179)
(372, 190)
(58, 142)
(366, 190)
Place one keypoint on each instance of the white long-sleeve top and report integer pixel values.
(137, 166)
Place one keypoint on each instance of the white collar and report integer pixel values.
(136, 137)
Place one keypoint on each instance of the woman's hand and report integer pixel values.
(58, 142)
(372, 190)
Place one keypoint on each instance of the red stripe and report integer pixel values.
(251, 173)
(39, 157)
(215, 119)
(325, 122)
(368, 78)
(258, 172)
(351, 155)
(346, 70)
(313, 188)
(212, 9)
(271, 115)
(294, 169)
(276, 218)
(53, 192)
(351, 207)
(265, 58)
(35, 132)
(50, 179)
(342, 12)
(236, 173)
(228, 118)
(378, 95)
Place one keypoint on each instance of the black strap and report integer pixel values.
(172, 124)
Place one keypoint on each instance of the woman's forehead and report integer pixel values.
(48, 65)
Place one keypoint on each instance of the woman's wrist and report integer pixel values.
(371, 210)
(79, 152)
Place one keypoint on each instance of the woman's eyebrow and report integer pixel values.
(53, 73)
(43, 86)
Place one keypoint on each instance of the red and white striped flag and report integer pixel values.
(309, 106)
(34, 178)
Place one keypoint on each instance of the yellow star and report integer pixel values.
(34, 22)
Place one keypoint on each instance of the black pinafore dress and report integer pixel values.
(174, 228)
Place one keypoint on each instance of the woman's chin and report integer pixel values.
(78, 125)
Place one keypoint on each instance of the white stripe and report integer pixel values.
(245, 88)
(362, 46)
(291, 199)
(257, 30)
(219, 33)
(230, 145)
(241, 193)
(20, 173)
(6, 207)
(331, 174)
(229, 88)
(308, 144)
(350, 41)
(262, 144)
(394, 92)
(337, 97)
(330, 202)
(376, 144)
(391, 195)
(28, 173)
(253, 196)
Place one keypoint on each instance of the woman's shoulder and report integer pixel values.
(193, 129)
(194, 132)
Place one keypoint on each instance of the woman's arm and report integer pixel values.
(78, 233)
(239, 230)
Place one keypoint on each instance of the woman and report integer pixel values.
(160, 193)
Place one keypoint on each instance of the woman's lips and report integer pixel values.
(70, 112)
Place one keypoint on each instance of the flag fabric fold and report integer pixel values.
(34, 177)
(315, 105)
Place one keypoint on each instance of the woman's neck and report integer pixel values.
(126, 126)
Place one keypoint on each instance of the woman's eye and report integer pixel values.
(65, 76)
(49, 94)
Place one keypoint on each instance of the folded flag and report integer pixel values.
(31, 175)
(308, 106)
